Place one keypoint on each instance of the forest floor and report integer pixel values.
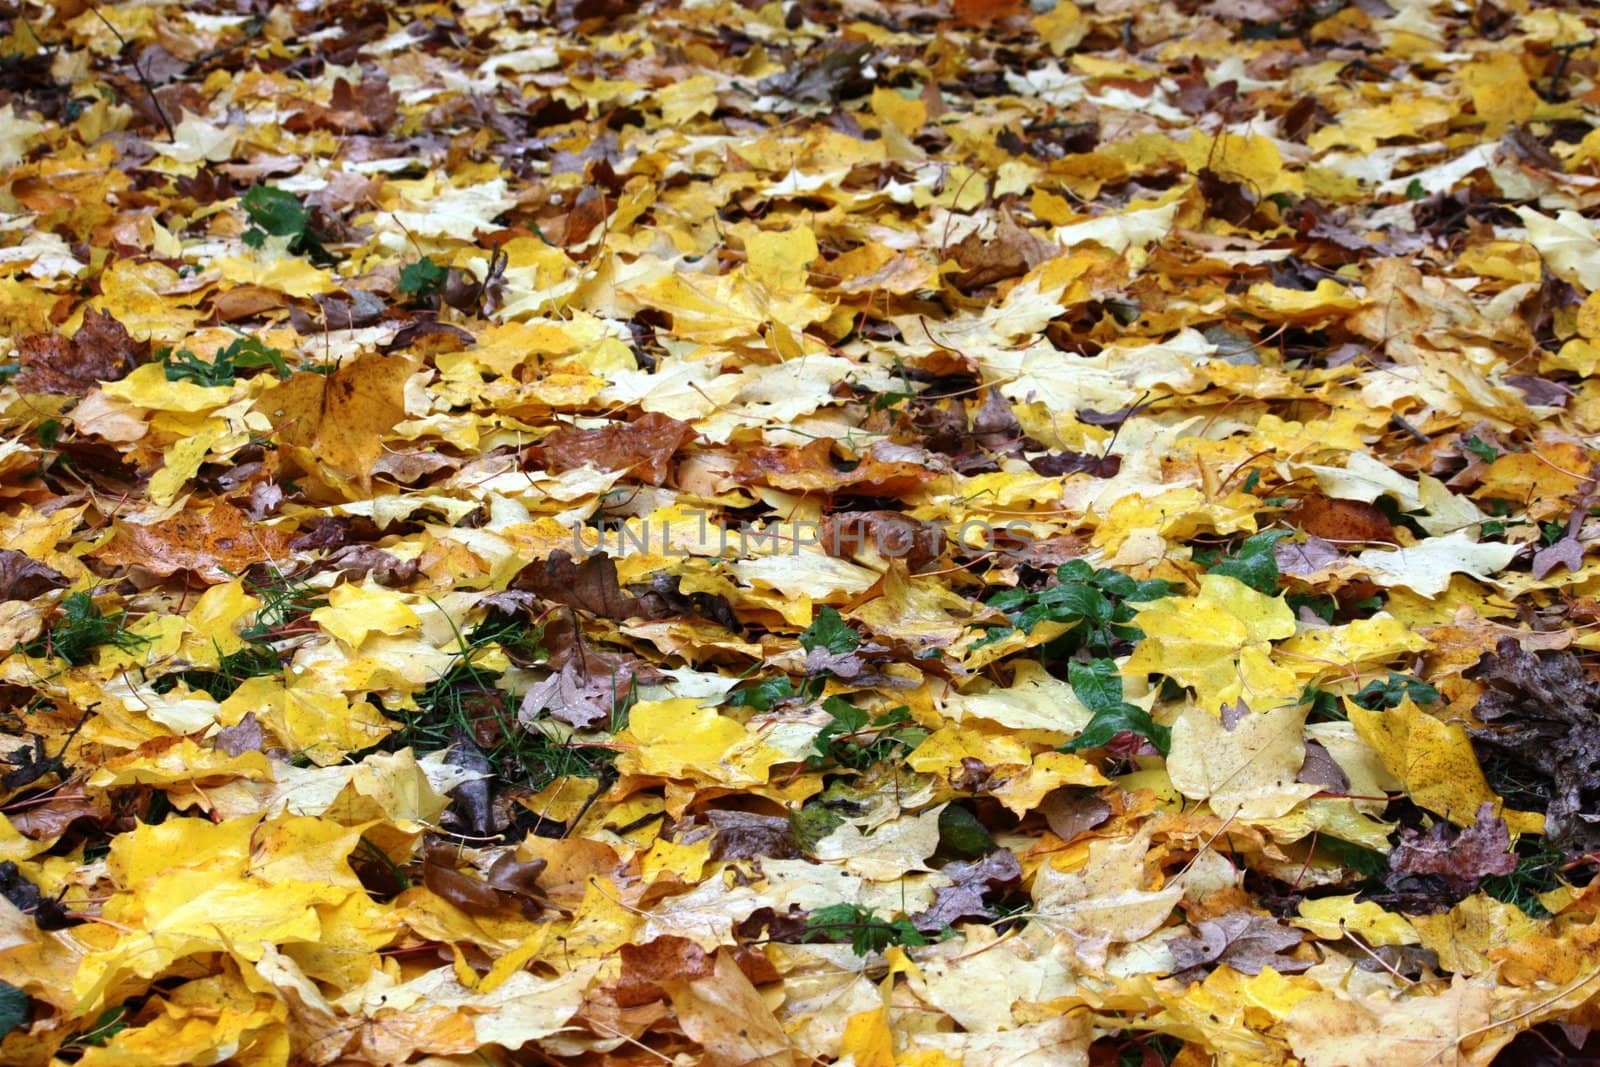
(879, 533)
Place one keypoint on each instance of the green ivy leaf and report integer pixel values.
(1254, 564)
(1095, 603)
(1122, 719)
(1098, 685)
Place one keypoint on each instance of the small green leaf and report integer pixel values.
(1099, 600)
(278, 213)
(960, 832)
(1325, 706)
(1122, 719)
(275, 211)
(109, 1024)
(248, 353)
(1254, 564)
(763, 695)
(828, 630)
(865, 931)
(1480, 448)
(244, 353)
(422, 278)
(847, 719)
(1379, 696)
(1097, 684)
(13, 1008)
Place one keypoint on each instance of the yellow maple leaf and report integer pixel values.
(679, 738)
(354, 611)
(1219, 643)
(1248, 770)
(1435, 761)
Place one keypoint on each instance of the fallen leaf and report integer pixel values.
(1462, 858)
(1245, 941)
(101, 351)
(215, 544)
(340, 419)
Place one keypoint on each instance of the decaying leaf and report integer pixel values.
(100, 351)
(643, 447)
(24, 578)
(1462, 858)
(215, 544)
(1542, 711)
(1244, 940)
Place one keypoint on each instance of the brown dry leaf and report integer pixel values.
(590, 586)
(1010, 253)
(101, 351)
(24, 578)
(1463, 858)
(1344, 521)
(664, 959)
(885, 469)
(216, 544)
(643, 447)
(1243, 940)
(365, 108)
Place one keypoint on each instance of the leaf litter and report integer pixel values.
(943, 533)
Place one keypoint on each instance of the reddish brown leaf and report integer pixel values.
(472, 895)
(590, 586)
(213, 544)
(1463, 858)
(48, 821)
(1344, 521)
(814, 467)
(985, 12)
(23, 577)
(643, 448)
(101, 351)
(1010, 253)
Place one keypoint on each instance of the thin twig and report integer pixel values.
(144, 79)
